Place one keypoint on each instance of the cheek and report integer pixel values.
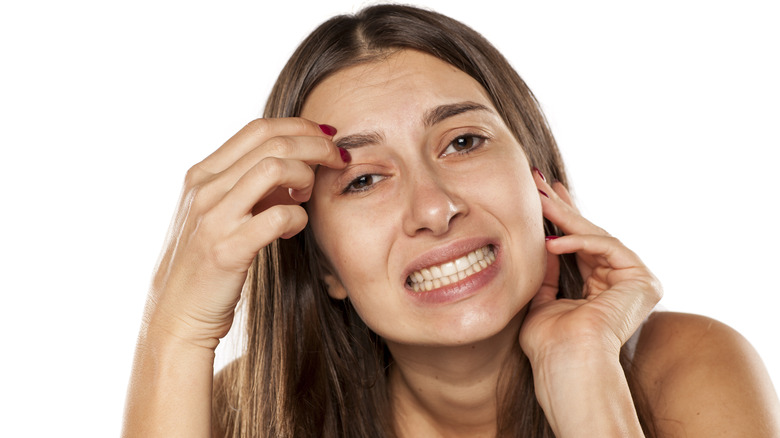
(509, 191)
(511, 197)
(354, 242)
(357, 255)
(520, 201)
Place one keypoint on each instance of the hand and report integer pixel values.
(235, 202)
(619, 290)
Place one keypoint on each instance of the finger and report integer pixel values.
(308, 149)
(277, 221)
(602, 249)
(564, 194)
(258, 132)
(263, 179)
(560, 212)
(619, 281)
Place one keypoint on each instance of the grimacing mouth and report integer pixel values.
(453, 271)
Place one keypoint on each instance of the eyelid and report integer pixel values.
(354, 172)
(347, 191)
(482, 137)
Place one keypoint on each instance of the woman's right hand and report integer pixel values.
(235, 202)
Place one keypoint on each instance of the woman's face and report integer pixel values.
(435, 228)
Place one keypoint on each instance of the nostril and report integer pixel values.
(433, 207)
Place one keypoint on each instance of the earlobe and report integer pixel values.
(335, 288)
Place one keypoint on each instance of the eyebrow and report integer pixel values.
(443, 112)
(430, 118)
(359, 140)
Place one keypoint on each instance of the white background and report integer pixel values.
(666, 113)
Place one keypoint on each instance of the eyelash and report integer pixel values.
(349, 190)
(478, 139)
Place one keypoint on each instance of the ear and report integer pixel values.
(335, 287)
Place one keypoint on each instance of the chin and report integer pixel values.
(465, 329)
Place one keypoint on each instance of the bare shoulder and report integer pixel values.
(702, 378)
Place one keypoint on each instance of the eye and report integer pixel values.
(363, 183)
(464, 144)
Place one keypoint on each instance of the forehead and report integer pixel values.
(406, 82)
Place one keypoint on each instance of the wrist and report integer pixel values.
(556, 370)
(584, 392)
(162, 342)
(165, 329)
(170, 375)
(578, 353)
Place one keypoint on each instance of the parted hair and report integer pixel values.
(310, 366)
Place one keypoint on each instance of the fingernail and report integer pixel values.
(328, 130)
(548, 238)
(545, 194)
(536, 169)
(345, 156)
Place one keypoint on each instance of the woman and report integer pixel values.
(432, 276)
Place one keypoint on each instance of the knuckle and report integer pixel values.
(328, 148)
(302, 124)
(656, 288)
(199, 191)
(221, 254)
(194, 176)
(214, 249)
(650, 285)
(284, 219)
(199, 197)
(279, 146)
(259, 127)
(271, 167)
(279, 218)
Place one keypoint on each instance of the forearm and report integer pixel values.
(170, 388)
(586, 394)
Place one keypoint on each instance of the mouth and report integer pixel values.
(434, 277)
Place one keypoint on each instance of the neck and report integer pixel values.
(450, 391)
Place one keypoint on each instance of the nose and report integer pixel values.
(432, 207)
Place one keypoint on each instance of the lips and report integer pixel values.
(453, 271)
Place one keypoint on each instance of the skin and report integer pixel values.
(428, 195)
(701, 378)
(425, 198)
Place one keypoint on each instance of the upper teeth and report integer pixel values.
(435, 277)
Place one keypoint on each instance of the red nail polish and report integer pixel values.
(536, 169)
(542, 192)
(548, 238)
(328, 130)
(345, 156)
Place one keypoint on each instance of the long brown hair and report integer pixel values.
(311, 366)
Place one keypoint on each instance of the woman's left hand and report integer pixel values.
(619, 293)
